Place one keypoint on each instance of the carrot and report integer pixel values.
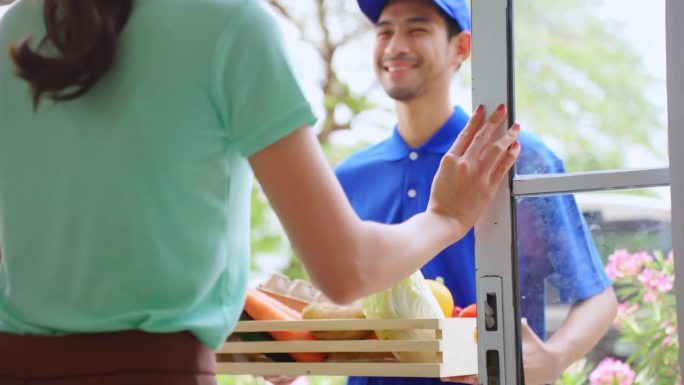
(261, 307)
(261, 336)
(294, 313)
(266, 308)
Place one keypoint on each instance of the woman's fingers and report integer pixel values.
(481, 139)
(476, 144)
(506, 163)
(470, 173)
(466, 136)
(496, 153)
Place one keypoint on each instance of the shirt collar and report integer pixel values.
(396, 148)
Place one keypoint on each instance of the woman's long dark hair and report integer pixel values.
(82, 34)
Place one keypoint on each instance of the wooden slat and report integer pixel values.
(331, 346)
(454, 344)
(331, 369)
(337, 324)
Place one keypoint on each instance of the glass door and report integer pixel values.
(588, 210)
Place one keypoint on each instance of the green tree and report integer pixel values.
(580, 83)
(328, 26)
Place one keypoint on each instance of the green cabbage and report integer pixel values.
(410, 298)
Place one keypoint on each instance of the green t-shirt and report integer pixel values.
(129, 207)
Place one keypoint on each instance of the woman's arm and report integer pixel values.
(348, 258)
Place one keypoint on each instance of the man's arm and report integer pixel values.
(584, 326)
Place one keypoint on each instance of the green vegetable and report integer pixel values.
(410, 298)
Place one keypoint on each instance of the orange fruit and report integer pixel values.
(469, 311)
(443, 296)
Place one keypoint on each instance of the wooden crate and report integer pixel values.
(454, 342)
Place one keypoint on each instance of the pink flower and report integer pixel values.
(612, 372)
(668, 341)
(622, 264)
(655, 282)
(624, 310)
(670, 334)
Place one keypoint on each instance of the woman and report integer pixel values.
(128, 136)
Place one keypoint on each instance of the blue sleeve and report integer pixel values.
(553, 235)
(576, 270)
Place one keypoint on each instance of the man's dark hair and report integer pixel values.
(453, 28)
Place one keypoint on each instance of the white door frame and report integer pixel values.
(674, 10)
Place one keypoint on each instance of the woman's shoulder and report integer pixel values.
(190, 17)
(215, 8)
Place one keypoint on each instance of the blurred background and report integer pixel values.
(590, 81)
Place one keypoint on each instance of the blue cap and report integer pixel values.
(457, 9)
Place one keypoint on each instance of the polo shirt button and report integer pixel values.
(413, 155)
(411, 193)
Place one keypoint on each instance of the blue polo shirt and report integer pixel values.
(390, 182)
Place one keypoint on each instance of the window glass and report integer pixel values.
(571, 247)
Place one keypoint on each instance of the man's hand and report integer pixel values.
(542, 365)
(280, 380)
(471, 380)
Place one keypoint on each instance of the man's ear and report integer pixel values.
(460, 45)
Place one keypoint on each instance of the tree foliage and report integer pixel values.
(580, 84)
(329, 25)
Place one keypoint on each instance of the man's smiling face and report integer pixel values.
(412, 51)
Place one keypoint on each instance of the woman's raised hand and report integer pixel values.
(471, 171)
